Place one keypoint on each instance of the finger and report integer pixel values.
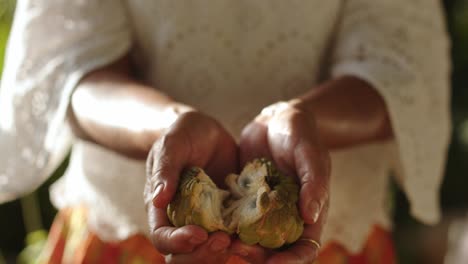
(191, 141)
(254, 143)
(251, 254)
(159, 218)
(148, 190)
(172, 155)
(184, 239)
(168, 239)
(303, 250)
(149, 163)
(214, 250)
(313, 169)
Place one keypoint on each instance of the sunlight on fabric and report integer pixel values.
(6, 120)
(6, 108)
(457, 242)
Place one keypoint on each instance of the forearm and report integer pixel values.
(348, 112)
(114, 110)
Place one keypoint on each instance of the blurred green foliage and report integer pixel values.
(6, 16)
(453, 195)
(35, 242)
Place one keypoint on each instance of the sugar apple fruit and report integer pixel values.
(260, 205)
(198, 202)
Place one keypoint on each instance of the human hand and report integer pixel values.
(193, 140)
(287, 134)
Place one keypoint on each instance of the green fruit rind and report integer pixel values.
(262, 208)
(187, 209)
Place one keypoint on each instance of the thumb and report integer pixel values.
(169, 158)
(313, 169)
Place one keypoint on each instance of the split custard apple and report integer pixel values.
(260, 206)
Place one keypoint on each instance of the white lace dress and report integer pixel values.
(230, 59)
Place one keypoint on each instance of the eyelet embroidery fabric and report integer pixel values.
(50, 48)
(229, 59)
(393, 55)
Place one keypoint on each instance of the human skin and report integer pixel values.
(297, 135)
(170, 135)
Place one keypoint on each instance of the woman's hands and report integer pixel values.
(287, 134)
(337, 114)
(284, 133)
(193, 140)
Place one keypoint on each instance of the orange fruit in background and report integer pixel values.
(377, 250)
(333, 253)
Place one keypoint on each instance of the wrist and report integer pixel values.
(349, 111)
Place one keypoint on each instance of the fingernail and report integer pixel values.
(218, 245)
(314, 209)
(196, 240)
(157, 190)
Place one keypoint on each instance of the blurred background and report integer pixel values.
(25, 222)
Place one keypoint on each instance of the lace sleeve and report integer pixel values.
(401, 47)
(53, 43)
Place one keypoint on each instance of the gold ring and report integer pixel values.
(314, 242)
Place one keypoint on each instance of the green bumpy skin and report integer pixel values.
(275, 220)
(261, 209)
(197, 202)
